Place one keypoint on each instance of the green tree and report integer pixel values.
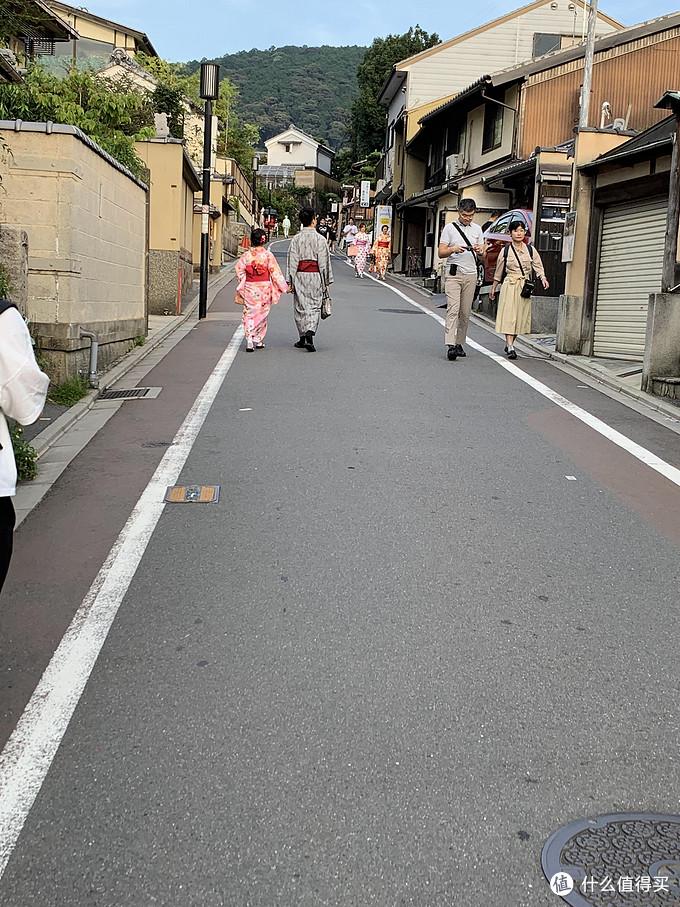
(312, 87)
(367, 116)
(170, 100)
(113, 113)
(178, 88)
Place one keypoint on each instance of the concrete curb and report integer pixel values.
(48, 437)
(653, 403)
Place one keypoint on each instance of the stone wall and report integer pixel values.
(166, 269)
(14, 260)
(85, 217)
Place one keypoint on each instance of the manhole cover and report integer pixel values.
(622, 860)
(192, 494)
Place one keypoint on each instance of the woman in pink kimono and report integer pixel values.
(260, 286)
(363, 243)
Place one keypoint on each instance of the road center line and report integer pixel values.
(29, 752)
(635, 450)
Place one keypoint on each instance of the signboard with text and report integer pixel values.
(383, 217)
(365, 195)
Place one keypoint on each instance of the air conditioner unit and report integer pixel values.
(454, 166)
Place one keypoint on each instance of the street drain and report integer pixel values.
(621, 860)
(130, 393)
(192, 494)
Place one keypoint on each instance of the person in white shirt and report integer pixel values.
(285, 223)
(23, 388)
(348, 234)
(462, 243)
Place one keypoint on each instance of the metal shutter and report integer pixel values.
(631, 259)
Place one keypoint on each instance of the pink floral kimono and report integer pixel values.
(261, 285)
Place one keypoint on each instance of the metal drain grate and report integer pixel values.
(622, 860)
(129, 393)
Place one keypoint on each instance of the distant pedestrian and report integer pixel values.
(362, 241)
(492, 220)
(322, 228)
(517, 264)
(285, 223)
(462, 243)
(332, 234)
(348, 234)
(381, 251)
(260, 286)
(23, 388)
(309, 274)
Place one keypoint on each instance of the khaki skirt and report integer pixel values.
(514, 312)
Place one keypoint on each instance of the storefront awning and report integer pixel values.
(423, 199)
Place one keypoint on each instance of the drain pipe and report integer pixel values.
(94, 349)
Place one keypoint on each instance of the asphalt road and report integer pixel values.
(431, 620)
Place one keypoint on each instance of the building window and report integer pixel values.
(493, 127)
(456, 139)
(63, 58)
(545, 44)
(92, 54)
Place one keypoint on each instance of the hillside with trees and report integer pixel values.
(313, 87)
(367, 121)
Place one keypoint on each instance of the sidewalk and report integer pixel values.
(61, 441)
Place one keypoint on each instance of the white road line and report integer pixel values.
(611, 434)
(28, 754)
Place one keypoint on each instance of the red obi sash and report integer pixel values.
(256, 273)
(384, 245)
(308, 266)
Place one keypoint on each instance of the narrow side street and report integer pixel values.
(426, 625)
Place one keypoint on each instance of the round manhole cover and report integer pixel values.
(623, 860)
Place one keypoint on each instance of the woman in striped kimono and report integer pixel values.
(260, 286)
(309, 274)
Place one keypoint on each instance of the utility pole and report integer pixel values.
(671, 101)
(587, 87)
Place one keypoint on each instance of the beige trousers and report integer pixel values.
(460, 293)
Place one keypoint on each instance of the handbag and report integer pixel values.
(238, 299)
(529, 282)
(352, 250)
(326, 304)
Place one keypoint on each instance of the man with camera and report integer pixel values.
(462, 244)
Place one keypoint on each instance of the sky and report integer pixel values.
(209, 28)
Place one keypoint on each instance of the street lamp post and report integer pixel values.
(209, 91)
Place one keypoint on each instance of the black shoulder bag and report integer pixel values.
(478, 263)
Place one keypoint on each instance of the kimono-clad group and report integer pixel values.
(359, 249)
(261, 283)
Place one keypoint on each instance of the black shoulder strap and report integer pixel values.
(465, 240)
(506, 252)
(519, 262)
(6, 304)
